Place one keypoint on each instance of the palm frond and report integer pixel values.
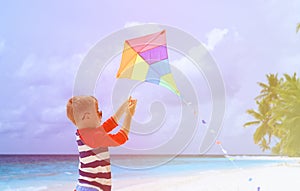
(263, 85)
(259, 134)
(251, 123)
(287, 77)
(255, 114)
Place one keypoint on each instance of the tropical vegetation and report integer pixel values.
(277, 116)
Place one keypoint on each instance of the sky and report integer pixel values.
(42, 44)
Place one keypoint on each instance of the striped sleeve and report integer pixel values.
(96, 137)
(121, 137)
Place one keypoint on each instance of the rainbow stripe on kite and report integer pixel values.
(146, 59)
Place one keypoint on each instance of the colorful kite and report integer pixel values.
(146, 59)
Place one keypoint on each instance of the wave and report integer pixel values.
(283, 158)
(31, 188)
(26, 176)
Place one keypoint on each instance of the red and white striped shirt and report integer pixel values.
(94, 159)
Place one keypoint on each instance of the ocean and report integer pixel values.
(38, 172)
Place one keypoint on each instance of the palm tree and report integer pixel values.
(278, 115)
(264, 116)
(288, 106)
(262, 119)
(269, 91)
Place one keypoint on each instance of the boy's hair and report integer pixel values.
(78, 105)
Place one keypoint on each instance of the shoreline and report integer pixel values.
(267, 178)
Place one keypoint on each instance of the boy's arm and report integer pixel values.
(109, 124)
(126, 124)
(112, 122)
(96, 138)
(127, 107)
(129, 113)
(121, 110)
(122, 136)
(119, 138)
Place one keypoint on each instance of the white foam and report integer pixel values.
(31, 188)
(266, 158)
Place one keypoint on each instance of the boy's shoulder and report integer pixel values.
(84, 131)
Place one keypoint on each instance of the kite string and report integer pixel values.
(231, 159)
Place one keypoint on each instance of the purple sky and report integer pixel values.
(43, 43)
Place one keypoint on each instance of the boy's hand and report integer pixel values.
(121, 110)
(132, 106)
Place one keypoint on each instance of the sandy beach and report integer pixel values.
(274, 178)
(271, 178)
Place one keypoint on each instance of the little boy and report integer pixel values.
(93, 139)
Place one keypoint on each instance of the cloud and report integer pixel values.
(54, 114)
(187, 72)
(144, 30)
(133, 23)
(214, 37)
(237, 36)
(35, 100)
(136, 23)
(2, 45)
(27, 66)
(57, 71)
